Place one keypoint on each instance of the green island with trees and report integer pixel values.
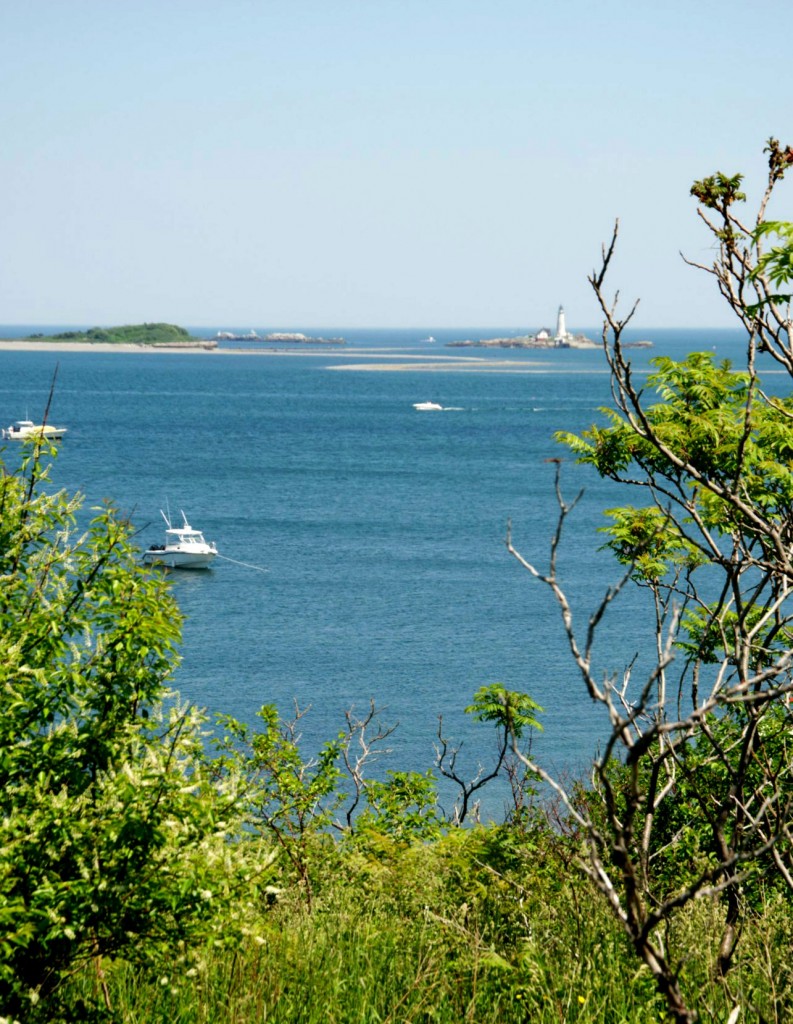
(129, 334)
(159, 866)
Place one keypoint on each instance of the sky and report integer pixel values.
(357, 163)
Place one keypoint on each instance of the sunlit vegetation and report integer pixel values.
(130, 334)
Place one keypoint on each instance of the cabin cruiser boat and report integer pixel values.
(23, 429)
(427, 406)
(184, 547)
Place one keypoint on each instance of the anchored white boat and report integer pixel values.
(23, 429)
(427, 406)
(184, 547)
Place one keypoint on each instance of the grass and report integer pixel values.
(434, 934)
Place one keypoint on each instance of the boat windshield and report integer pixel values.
(187, 536)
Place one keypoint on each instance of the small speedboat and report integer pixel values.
(184, 547)
(427, 406)
(23, 429)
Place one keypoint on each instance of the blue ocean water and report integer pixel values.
(381, 529)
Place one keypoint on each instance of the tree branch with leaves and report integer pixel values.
(692, 791)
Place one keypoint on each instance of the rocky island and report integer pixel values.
(295, 337)
(543, 339)
(303, 339)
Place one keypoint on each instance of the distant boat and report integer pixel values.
(184, 548)
(427, 406)
(429, 340)
(23, 429)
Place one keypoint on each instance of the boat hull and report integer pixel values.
(180, 559)
(47, 433)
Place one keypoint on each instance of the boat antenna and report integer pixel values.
(52, 392)
(34, 472)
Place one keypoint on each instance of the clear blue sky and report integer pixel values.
(390, 162)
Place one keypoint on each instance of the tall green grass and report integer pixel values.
(455, 931)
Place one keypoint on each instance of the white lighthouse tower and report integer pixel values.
(561, 330)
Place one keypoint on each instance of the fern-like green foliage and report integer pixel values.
(509, 709)
(712, 433)
(776, 265)
(718, 191)
(714, 632)
(649, 540)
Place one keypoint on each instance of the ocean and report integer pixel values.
(363, 541)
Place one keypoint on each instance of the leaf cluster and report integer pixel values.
(511, 710)
(719, 191)
(776, 265)
(403, 806)
(713, 435)
(715, 770)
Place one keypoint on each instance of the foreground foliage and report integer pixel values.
(484, 925)
(146, 875)
(133, 837)
(112, 842)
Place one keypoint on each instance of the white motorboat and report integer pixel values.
(184, 547)
(427, 406)
(23, 429)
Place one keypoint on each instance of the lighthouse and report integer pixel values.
(561, 329)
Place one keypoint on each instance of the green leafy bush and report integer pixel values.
(112, 841)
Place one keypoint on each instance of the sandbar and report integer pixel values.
(26, 345)
(387, 360)
(35, 345)
(473, 366)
